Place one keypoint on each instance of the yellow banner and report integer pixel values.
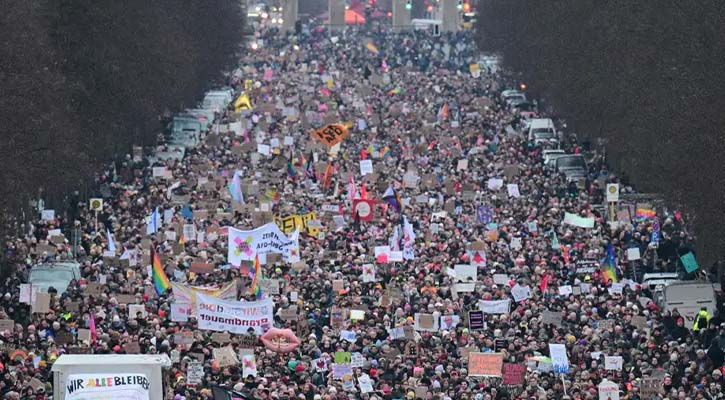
(290, 223)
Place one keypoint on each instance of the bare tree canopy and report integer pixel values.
(645, 75)
(82, 80)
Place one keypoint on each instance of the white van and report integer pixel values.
(146, 375)
(652, 280)
(542, 131)
(688, 297)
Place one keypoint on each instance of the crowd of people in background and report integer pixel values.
(466, 178)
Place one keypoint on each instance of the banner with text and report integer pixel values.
(128, 386)
(234, 316)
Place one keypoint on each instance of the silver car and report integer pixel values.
(573, 166)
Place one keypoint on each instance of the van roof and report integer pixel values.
(541, 123)
(105, 359)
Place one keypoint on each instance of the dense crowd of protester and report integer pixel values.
(416, 110)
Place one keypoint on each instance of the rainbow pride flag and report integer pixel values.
(291, 171)
(373, 49)
(608, 266)
(644, 214)
(161, 281)
(254, 288)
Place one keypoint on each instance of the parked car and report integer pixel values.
(57, 275)
(550, 156)
(217, 100)
(652, 280)
(572, 165)
(542, 132)
(513, 97)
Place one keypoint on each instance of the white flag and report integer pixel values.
(153, 222)
(408, 239)
(111, 243)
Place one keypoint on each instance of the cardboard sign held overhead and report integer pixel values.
(42, 303)
(331, 135)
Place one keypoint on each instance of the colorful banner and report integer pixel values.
(297, 221)
(128, 386)
(643, 214)
(245, 245)
(485, 364)
(234, 316)
(187, 294)
(331, 135)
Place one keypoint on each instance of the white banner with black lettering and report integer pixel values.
(130, 386)
(234, 316)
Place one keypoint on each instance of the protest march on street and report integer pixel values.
(366, 216)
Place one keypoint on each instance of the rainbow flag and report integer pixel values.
(392, 197)
(272, 195)
(373, 49)
(386, 151)
(257, 274)
(608, 266)
(644, 214)
(291, 171)
(182, 240)
(161, 281)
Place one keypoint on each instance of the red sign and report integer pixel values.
(364, 209)
(514, 374)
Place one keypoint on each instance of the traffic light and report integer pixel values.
(466, 7)
(409, 5)
(459, 5)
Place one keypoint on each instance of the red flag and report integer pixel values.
(327, 177)
(363, 191)
(544, 283)
(364, 154)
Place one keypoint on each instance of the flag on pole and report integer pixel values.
(291, 171)
(608, 266)
(186, 211)
(327, 178)
(257, 275)
(408, 239)
(351, 188)
(161, 281)
(392, 198)
(111, 243)
(92, 328)
(235, 188)
(373, 49)
(154, 222)
(182, 240)
(310, 169)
